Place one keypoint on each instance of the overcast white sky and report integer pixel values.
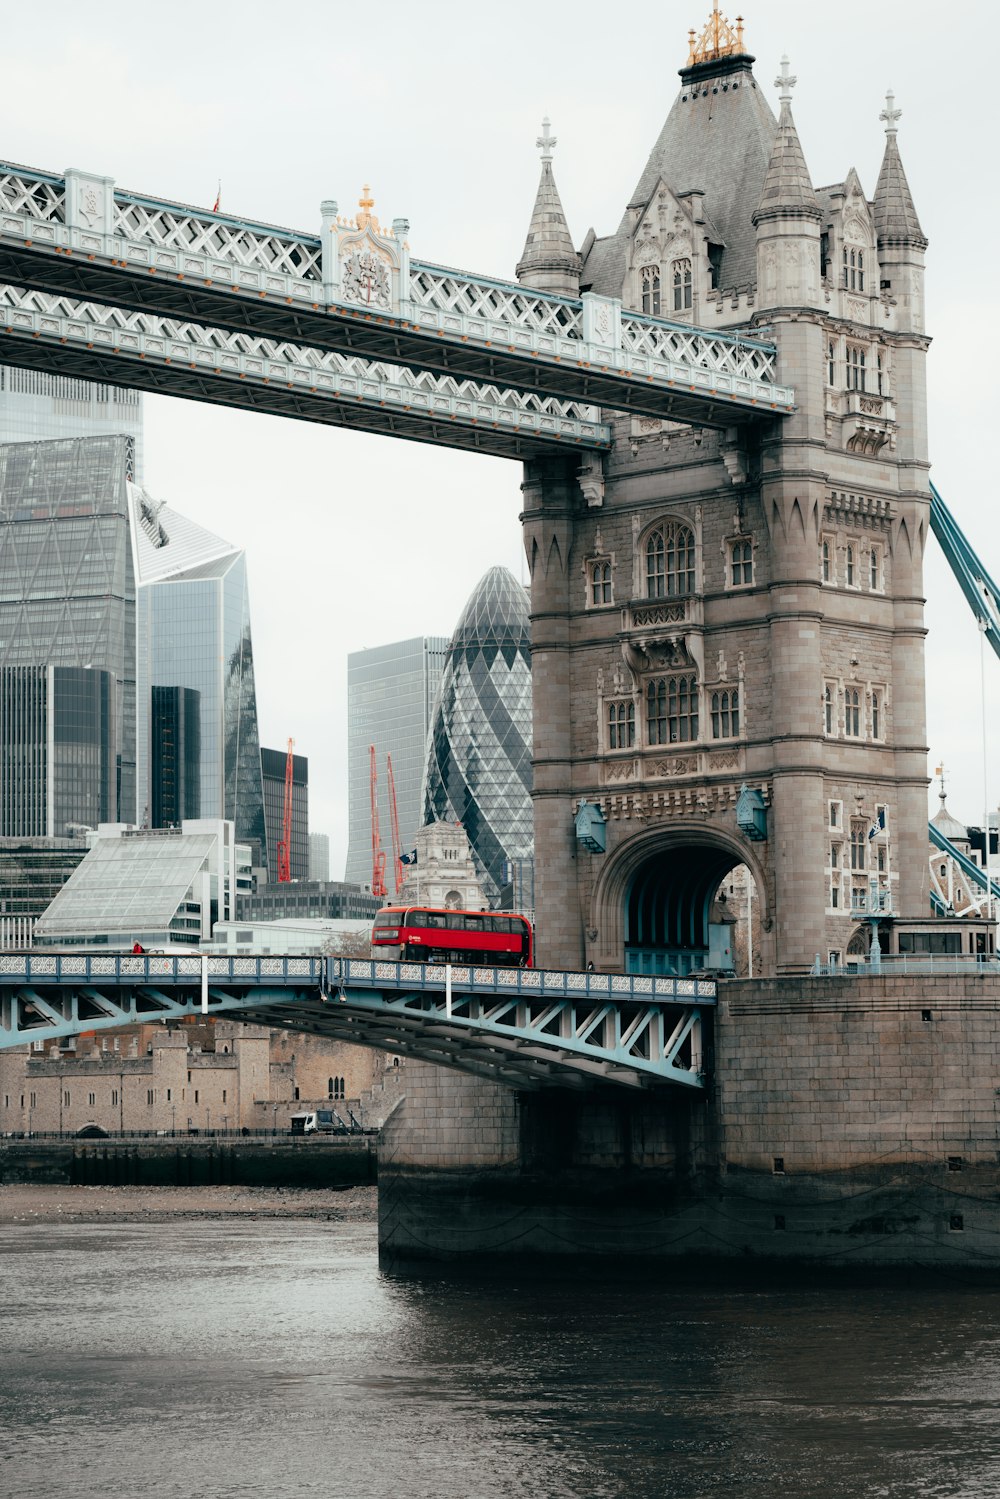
(356, 541)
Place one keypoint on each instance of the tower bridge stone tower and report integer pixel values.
(727, 625)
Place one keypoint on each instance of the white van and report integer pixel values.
(318, 1121)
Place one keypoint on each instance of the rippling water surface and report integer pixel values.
(275, 1360)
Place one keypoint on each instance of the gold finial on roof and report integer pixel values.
(365, 216)
(720, 38)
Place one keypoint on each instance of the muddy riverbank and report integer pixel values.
(58, 1203)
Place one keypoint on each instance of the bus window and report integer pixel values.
(473, 923)
(435, 918)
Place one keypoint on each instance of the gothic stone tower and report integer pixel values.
(720, 609)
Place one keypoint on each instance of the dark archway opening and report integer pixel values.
(674, 922)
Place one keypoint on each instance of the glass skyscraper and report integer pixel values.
(390, 698)
(67, 590)
(194, 670)
(479, 754)
(58, 767)
(38, 407)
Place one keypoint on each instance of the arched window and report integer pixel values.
(681, 270)
(650, 276)
(329, 1087)
(826, 561)
(850, 567)
(672, 710)
(855, 368)
(621, 725)
(670, 562)
(600, 583)
(831, 364)
(741, 562)
(854, 268)
(874, 569)
(852, 713)
(828, 709)
(725, 715)
(876, 715)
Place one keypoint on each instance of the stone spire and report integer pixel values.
(788, 190)
(549, 261)
(896, 219)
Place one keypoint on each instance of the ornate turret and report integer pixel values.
(901, 241)
(896, 219)
(549, 261)
(787, 218)
(788, 190)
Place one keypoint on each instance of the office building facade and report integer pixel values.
(272, 764)
(195, 677)
(479, 752)
(57, 750)
(39, 407)
(391, 691)
(67, 601)
(315, 900)
(319, 856)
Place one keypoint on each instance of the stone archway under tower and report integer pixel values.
(679, 901)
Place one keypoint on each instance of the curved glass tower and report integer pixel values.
(479, 752)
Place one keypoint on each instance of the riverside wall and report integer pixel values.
(848, 1122)
(319, 1162)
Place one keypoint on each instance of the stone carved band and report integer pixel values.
(662, 614)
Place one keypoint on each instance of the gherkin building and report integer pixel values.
(479, 747)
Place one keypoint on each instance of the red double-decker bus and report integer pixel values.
(421, 935)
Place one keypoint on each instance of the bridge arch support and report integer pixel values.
(653, 901)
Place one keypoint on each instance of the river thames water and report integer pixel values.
(274, 1359)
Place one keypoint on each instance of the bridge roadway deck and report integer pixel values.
(531, 1028)
(175, 261)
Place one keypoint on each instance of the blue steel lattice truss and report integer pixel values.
(530, 1028)
(479, 753)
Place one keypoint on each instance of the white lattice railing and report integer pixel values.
(639, 356)
(728, 354)
(33, 194)
(172, 226)
(493, 301)
(213, 350)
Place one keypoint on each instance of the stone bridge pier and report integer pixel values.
(848, 1122)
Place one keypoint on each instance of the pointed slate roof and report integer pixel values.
(788, 190)
(549, 262)
(717, 137)
(896, 219)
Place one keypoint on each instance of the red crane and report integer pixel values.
(378, 853)
(285, 841)
(397, 847)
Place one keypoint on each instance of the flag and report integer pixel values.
(878, 826)
(408, 858)
(218, 198)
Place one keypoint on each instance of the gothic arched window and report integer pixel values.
(672, 710)
(621, 725)
(650, 278)
(725, 715)
(681, 270)
(670, 562)
(854, 268)
(600, 583)
(741, 562)
(852, 713)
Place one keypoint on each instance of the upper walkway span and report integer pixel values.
(354, 290)
(528, 1027)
